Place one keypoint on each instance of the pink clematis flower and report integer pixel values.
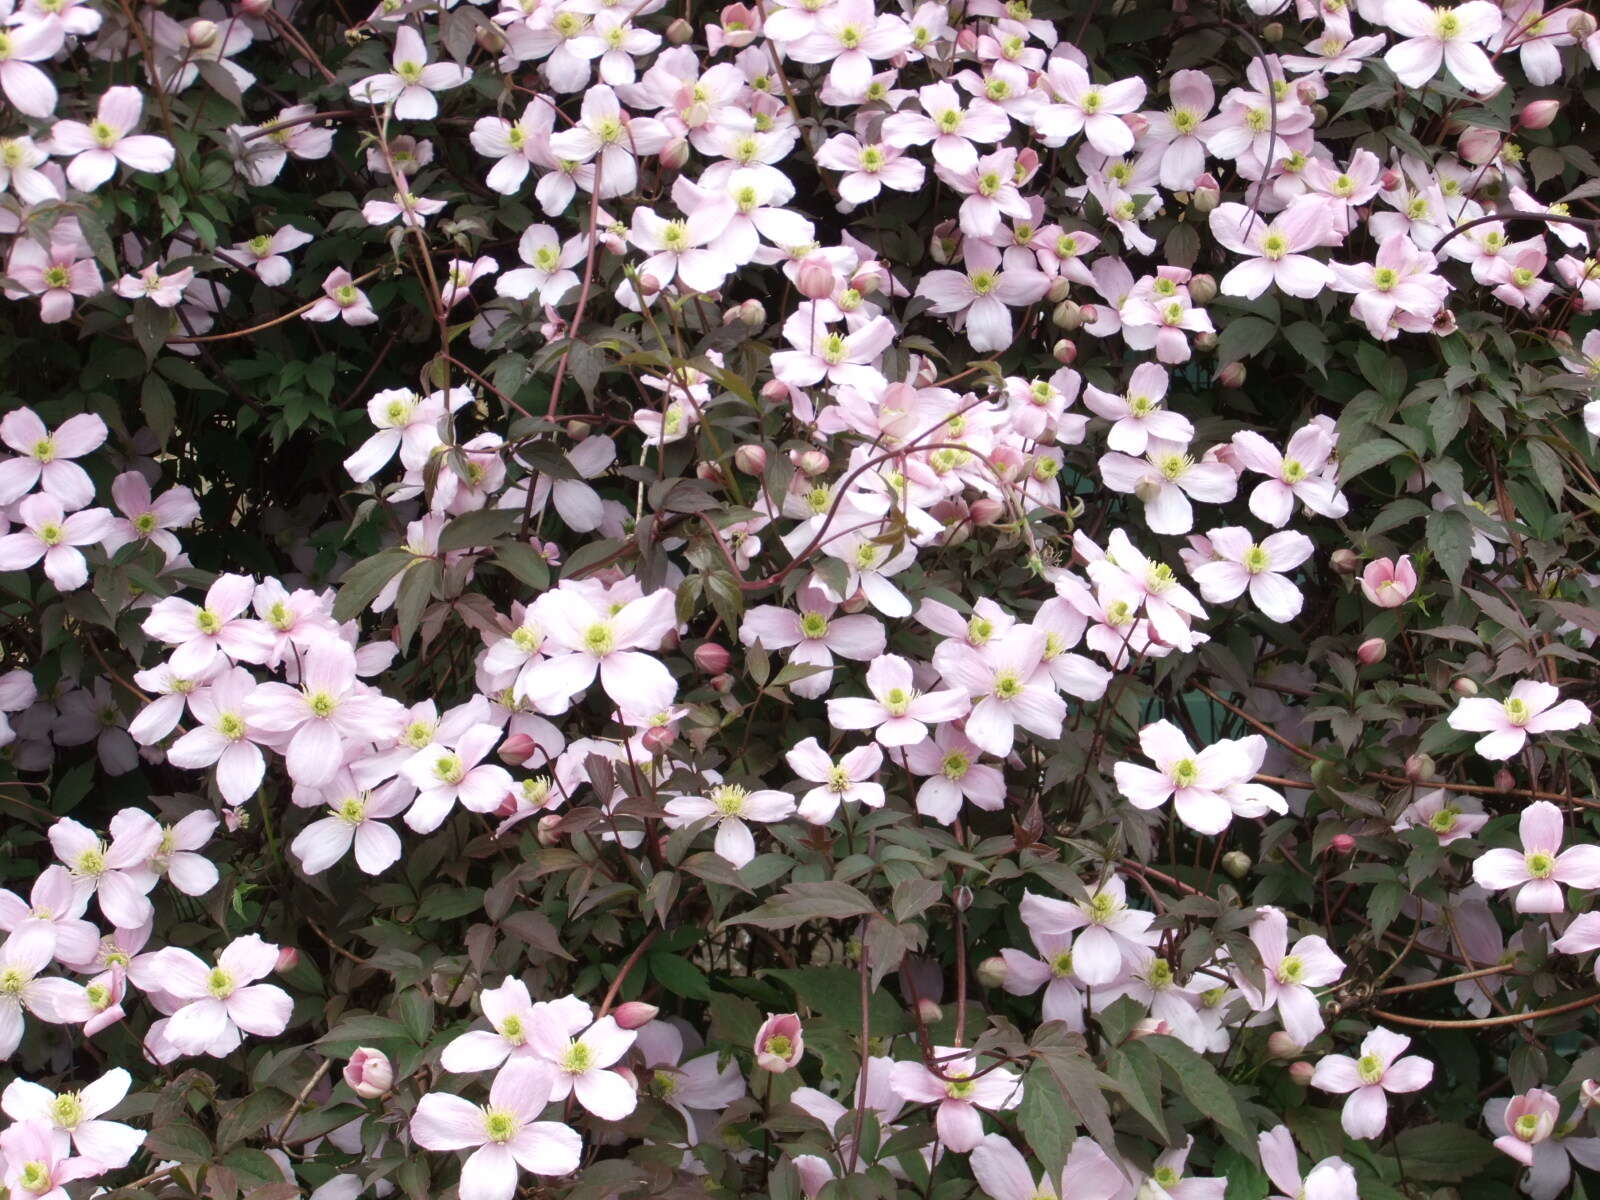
(1275, 249)
(443, 776)
(1531, 708)
(1388, 583)
(215, 630)
(1009, 685)
(1083, 106)
(1447, 37)
(1294, 474)
(511, 1013)
(223, 736)
(897, 711)
(585, 638)
(410, 87)
(1136, 415)
(680, 248)
(1330, 1179)
(950, 761)
(1165, 480)
(813, 636)
(118, 873)
(28, 88)
(1541, 867)
(341, 300)
(1207, 789)
(44, 459)
(983, 295)
(55, 1001)
(266, 254)
(1291, 973)
(1113, 936)
(1004, 1174)
(1370, 1078)
(74, 1117)
(957, 1093)
(149, 519)
(37, 1167)
(1244, 564)
(98, 147)
(850, 35)
(731, 805)
(55, 273)
(549, 271)
(583, 1058)
(49, 534)
(1529, 1118)
(845, 781)
(57, 903)
(612, 140)
(949, 128)
(217, 1005)
(355, 818)
(505, 1135)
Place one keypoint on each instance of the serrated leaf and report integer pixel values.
(1042, 1117)
(1365, 455)
(825, 900)
(1244, 337)
(1199, 1083)
(1449, 535)
(680, 977)
(361, 583)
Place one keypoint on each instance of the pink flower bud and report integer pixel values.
(753, 313)
(1588, 1093)
(967, 39)
(631, 1014)
(1231, 375)
(810, 462)
(1137, 123)
(648, 285)
(869, 278)
(578, 430)
(369, 1073)
(712, 658)
(679, 32)
(992, 971)
(517, 749)
(986, 510)
(288, 960)
(1065, 351)
(929, 1011)
(1088, 314)
(658, 737)
(779, 1042)
(255, 8)
(708, 471)
(961, 897)
(751, 459)
(1069, 315)
(1060, 287)
(546, 830)
(1341, 843)
(1391, 179)
(1373, 650)
(1477, 145)
(1205, 342)
(1344, 562)
(1420, 767)
(1464, 686)
(1504, 779)
(1582, 26)
(1444, 322)
(721, 684)
(775, 391)
(675, 154)
(1202, 288)
(1149, 1027)
(1281, 1045)
(1387, 583)
(817, 279)
(1538, 114)
(202, 34)
(1301, 1072)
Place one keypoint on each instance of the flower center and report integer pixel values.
(51, 534)
(839, 781)
(578, 1059)
(1517, 711)
(813, 625)
(1061, 964)
(448, 768)
(1257, 560)
(352, 810)
(1541, 864)
(956, 765)
(1185, 772)
(511, 1030)
(729, 799)
(12, 981)
(499, 1125)
(1290, 969)
(1444, 820)
(959, 1088)
(322, 704)
(56, 277)
(599, 640)
(1007, 685)
(1370, 1068)
(1293, 470)
(67, 1110)
(219, 983)
(35, 1177)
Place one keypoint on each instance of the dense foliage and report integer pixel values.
(816, 599)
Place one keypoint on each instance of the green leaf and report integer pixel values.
(416, 1013)
(181, 1140)
(1367, 454)
(1074, 1072)
(1447, 416)
(478, 528)
(416, 589)
(1197, 1080)
(1244, 337)
(361, 1030)
(1311, 342)
(525, 563)
(362, 582)
(801, 902)
(836, 993)
(679, 976)
(1442, 1153)
(914, 896)
(1042, 1117)
(1450, 538)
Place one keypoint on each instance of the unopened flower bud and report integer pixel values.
(1444, 322)
(202, 34)
(1419, 767)
(1067, 315)
(1202, 288)
(1504, 780)
(774, 391)
(1538, 114)
(256, 9)
(1065, 352)
(1341, 843)
(1464, 686)
(967, 39)
(1301, 1072)
(648, 285)
(751, 459)
(675, 154)
(578, 430)
(1390, 179)
(961, 897)
(288, 960)
(1281, 1045)
(628, 1076)
(1272, 32)
(712, 658)
(369, 1073)
(1205, 341)
(1582, 26)
(1137, 123)
(779, 1043)
(1231, 375)
(517, 749)
(753, 313)
(869, 278)
(1059, 289)
(1373, 650)
(708, 471)
(816, 277)
(680, 32)
(929, 1011)
(1207, 194)
(1088, 314)
(1588, 1094)
(1149, 1027)
(489, 38)
(546, 832)
(721, 684)
(992, 971)
(1236, 863)
(1345, 561)
(986, 510)
(811, 462)
(658, 737)
(631, 1014)
(1478, 145)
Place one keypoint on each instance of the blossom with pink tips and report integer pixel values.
(1136, 415)
(74, 1118)
(1111, 936)
(37, 1166)
(149, 518)
(341, 300)
(847, 781)
(45, 457)
(959, 1091)
(505, 1135)
(1531, 708)
(1241, 564)
(1530, 1118)
(56, 902)
(946, 127)
(779, 1043)
(1291, 974)
(587, 637)
(731, 805)
(1389, 583)
(218, 629)
(23, 955)
(1381, 1069)
(97, 148)
(897, 712)
(1207, 789)
(117, 873)
(48, 533)
(217, 1004)
(223, 736)
(981, 297)
(1442, 37)
(1541, 867)
(1276, 249)
(410, 87)
(355, 819)
(58, 272)
(1330, 1179)
(1009, 685)
(949, 760)
(583, 1058)
(1003, 1174)
(1295, 474)
(511, 1013)
(443, 776)
(267, 254)
(1080, 105)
